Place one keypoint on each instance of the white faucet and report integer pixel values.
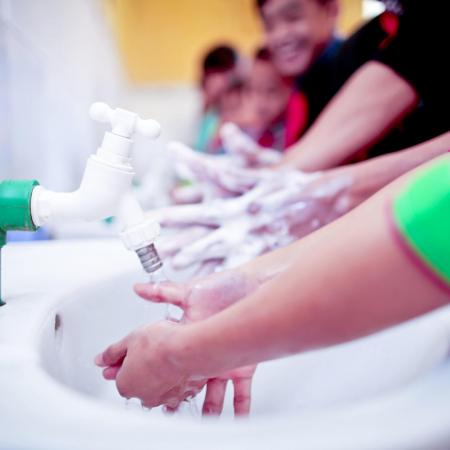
(105, 188)
(108, 174)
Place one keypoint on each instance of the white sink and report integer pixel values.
(390, 390)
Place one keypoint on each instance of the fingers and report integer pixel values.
(169, 409)
(207, 268)
(214, 398)
(113, 355)
(236, 141)
(173, 293)
(276, 200)
(268, 157)
(228, 130)
(242, 396)
(169, 245)
(110, 373)
(201, 165)
(187, 215)
(172, 404)
(212, 246)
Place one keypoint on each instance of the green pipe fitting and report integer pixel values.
(15, 208)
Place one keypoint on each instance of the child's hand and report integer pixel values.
(221, 173)
(233, 231)
(236, 230)
(199, 300)
(245, 150)
(143, 367)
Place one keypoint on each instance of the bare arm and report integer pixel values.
(367, 178)
(370, 176)
(350, 279)
(370, 104)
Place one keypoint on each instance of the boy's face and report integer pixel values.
(297, 31)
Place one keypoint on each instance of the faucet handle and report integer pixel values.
(124, 123)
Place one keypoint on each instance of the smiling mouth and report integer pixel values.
(289, 51)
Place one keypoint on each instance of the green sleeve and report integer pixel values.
(422, 216)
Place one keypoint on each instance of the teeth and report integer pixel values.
(287, 49)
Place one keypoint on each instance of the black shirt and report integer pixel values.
(420, 54)
(318, 83)
(416, 49)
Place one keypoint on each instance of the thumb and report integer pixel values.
(113, 355)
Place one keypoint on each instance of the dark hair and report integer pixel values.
(263, 54)
(219, 59)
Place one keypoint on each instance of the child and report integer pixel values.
(267, 95)
(221, 80)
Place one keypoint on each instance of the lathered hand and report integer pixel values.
(245, 151)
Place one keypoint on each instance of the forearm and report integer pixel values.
(370, 104)
(267, 266)
(370, 176)
(367, 178)
(332, 293)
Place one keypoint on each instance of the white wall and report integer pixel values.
(176, 108)
(56, 57)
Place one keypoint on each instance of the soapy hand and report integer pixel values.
(244, 150)
(272, 214)
(200, 299)
(218, 174)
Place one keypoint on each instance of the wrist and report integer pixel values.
(201, 350)
(187, 353)
(361, 184)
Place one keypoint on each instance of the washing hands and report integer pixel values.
(141, 364)
(244, 165)
(230, 232)
(153, 362)
(263, 210)
(217, 175)
(244, 150)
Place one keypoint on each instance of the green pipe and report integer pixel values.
(15, 210)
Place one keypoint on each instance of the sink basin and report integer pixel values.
(389, 390)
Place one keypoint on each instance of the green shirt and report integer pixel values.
(422, 216)
(207, 130)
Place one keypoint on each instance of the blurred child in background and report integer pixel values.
(221, 86)
(267, 96)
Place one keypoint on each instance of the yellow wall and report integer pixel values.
(163, 40)
(350, 15)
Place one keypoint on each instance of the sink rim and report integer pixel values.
(30, 312)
